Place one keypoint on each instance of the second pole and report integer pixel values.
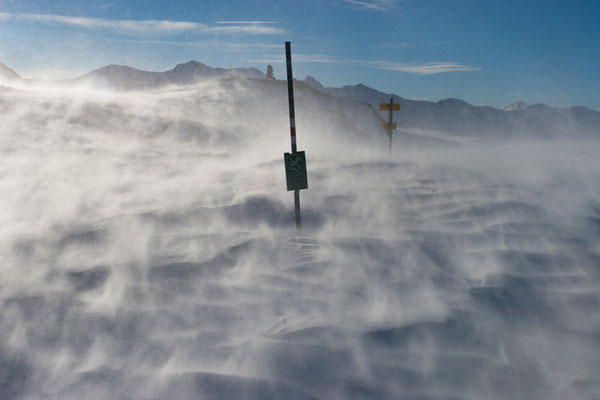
(390, 124)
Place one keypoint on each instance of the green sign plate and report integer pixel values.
(295, 171)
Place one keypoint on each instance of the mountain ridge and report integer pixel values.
(519, 105)
(456, 116)
(121, 77)
(9, 74)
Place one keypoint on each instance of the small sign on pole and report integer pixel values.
(295, 171)
(386, 107)
(390, 125)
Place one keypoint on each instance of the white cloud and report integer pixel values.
(246, 22)
(314, 58)
(253, 29)
(147, 27)
(374, 5)
(420, 69)
(208, 43)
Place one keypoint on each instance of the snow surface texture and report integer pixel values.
(148, 252)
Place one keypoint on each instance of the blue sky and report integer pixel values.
(485, 52)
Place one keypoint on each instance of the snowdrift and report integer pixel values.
(148, 252)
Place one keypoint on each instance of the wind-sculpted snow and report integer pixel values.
(148, 252)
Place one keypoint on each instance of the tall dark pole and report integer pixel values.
(390, 123)
(290, 82)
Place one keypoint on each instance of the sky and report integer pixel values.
(485, 52)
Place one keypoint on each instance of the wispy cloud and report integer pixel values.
(252, 29)
(420, 69)
(148, 27)
(374, 5)
(314, 58)
(206, 43)
(247, 22)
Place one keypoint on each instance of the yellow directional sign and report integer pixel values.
(386, 125)
(386, 107)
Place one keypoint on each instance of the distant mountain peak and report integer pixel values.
(8, 74)
(313, 83)
(114, 68)
(191, 65)
(128, 78)
(454, 101)
(192, 62)
(519, 105)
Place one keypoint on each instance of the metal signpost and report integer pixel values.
(295, 163)
(389, 126)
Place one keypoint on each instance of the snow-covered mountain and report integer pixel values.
(519, 105)
(126, 78)
(7, 74)
(459, 117)
(313, 83)
(453, 116)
